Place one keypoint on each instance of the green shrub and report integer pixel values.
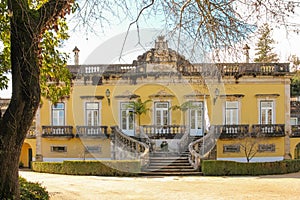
(49, 167)
(100, 168)
(224, 168)
(32, 191)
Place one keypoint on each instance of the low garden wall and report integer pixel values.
(100, 168)
(227, 168)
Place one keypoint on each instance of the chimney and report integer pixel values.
(76, 55)
(246, 52)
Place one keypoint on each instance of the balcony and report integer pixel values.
(57, 131)
(268, 130)
(91, 132)
(295, 131)
(232, 131)
(164, 131)
(257, 130)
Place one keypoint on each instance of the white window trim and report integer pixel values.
(120, 113)
(169, 111)
(273, 109)
(65, 114)
(239, 111)
(99, 110)
(295, 119)
(188, 114)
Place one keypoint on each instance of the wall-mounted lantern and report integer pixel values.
(107, 94)
(217, 94)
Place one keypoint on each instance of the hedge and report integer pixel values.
(225, 168)
(99, 168)
(32, 191)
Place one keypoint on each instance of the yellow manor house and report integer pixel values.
(163, 107)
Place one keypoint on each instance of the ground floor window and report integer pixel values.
(266, 147)
(232, 148)
(59, 149)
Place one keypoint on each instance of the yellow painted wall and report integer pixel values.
(110, 116)
(279, 147)
(75, 148)
(28, 143)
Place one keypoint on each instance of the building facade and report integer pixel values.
(245, 106)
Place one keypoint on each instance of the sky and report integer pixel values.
(105, 47)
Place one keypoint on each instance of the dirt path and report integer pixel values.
(181, 188)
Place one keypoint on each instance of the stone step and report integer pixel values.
(158, 167)
(170, 164)
(169, 170)
(168, 158)
(171, 173)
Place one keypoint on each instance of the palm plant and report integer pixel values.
(138, 108)
(183, 108)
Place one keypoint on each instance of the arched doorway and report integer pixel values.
(297, 151)
(26, 155)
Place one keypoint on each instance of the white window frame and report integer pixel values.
(86, 112)
(131, 132)
(238, 109)
(294, 121)
(64, 114)
(168, 110)
(273, 121)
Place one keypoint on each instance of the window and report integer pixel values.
(93, 149)
(92, 113)
(127, 118)
(58, 149)
(161, 113)
(58, 114)
(266, 112)
(235, 148)
(294, 121)
(266, 147)
(232, 112)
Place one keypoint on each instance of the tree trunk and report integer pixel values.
(25, 100)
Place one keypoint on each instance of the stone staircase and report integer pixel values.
(169, 164)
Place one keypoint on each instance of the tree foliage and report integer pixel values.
(201, 26)
(264, 46)
(31, 34)
(55, 78)
(139, 108)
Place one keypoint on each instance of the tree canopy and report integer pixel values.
(31, 32)
(264, 47)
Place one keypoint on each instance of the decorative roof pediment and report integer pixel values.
(162, 59)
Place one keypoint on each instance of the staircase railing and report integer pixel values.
(184, 142)
(201, 148)
(127, 148)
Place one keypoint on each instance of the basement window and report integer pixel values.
(266, 147)
(59, 149)
(231, 148)
(93, 149)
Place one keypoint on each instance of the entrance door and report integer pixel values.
(297, 151)
(29, 157)
(127, 119)
(196, 119)
(161, 113)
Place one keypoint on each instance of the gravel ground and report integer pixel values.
(182, 188)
